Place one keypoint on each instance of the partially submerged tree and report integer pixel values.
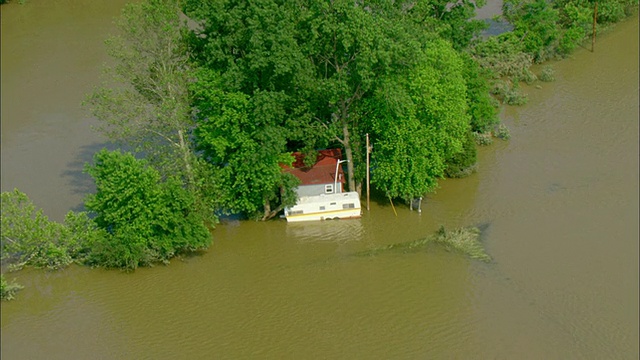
(144, 105)
(350, 48)
(327, 63)
(243, 138)
(29, 238)
(248, 100)
(146, 219)
(420, 122)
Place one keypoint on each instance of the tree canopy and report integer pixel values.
(320, 67)
(146, 219)
(419, 122)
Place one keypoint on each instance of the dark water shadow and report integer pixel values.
(78, 181)
(496, 28)
(484, 228)
(379, 198)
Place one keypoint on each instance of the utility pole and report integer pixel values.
(368, 151)
(595, 15)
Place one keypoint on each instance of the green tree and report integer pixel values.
(453, 21)
(463, 163)
(322, 67)
(146, 219)
(29, 238)
(351, 46)
(420, 121)
(322, 58)
(144, 104)
(535, 24)
(482, 108)
(249, 101)
(244, 139)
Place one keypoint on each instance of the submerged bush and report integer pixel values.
(512, 95)
(145, 219)
(483, 139)
(547, 74)
(464, 240)
(29, 238)
(8, 289)
(502, 132)
(482, 107)
(528, 77)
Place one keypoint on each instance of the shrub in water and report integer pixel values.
(483, 138)
(8, 289)
(502, 132)
(547, 74)
(462, 240)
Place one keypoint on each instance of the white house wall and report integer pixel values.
(317, 189)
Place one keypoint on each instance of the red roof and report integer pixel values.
(324, 170)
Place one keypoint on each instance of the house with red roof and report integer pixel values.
(319, 178)
(321, 194)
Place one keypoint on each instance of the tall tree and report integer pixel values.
(144, 104)
(420, 121)
(247, 96)
(243, 138)
(350, 45)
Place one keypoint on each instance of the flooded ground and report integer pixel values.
(558, 202)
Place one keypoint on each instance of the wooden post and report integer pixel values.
(368, 151)
(595, 15)
(393, 207)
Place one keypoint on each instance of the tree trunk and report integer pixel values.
(268, 213)
(187, 163)
(344, 113)
(349, 153)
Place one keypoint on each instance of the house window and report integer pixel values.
(328, 189)
(348, 206)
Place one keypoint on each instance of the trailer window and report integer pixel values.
(348, 206)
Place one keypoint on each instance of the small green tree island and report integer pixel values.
(210, 109)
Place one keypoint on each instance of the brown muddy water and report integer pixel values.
(559, 204)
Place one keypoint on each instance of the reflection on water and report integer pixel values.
(337, 231)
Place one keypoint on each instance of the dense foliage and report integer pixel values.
(419, 121)
(244, 139)
(30, 238)
(146, 219)
(542, 30)
(144, 103)
(282, 76)
(463, 163)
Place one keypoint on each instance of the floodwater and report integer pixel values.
(558, 202)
